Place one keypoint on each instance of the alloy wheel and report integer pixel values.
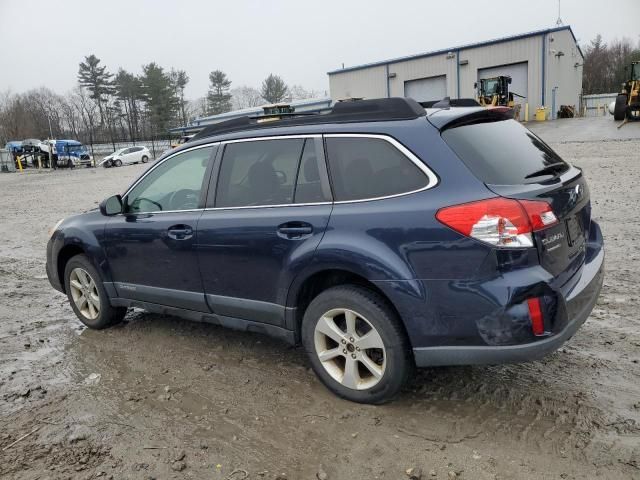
(84, 292)
(350, 348)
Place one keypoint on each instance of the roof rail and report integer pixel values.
(374, 110)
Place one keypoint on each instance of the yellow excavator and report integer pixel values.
(495, 92)
(627, 106)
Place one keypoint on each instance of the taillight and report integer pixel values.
(502, 222)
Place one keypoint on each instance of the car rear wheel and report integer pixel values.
(117, 163)
(87, 295)
(356, 344)
(145, 159)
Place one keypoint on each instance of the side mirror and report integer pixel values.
(475, 85)
(111, 206)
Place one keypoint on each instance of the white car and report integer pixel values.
(127, 156)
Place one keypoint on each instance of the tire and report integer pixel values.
(394, 363)
(96, 316)
(117, 163)
(70, 164)
(145, 159)
(620, 109)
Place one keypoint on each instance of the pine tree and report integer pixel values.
(95, 78)
(274, 90)
(179, 80)
(218, 97)
(157, 92)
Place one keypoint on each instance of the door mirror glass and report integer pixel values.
(111, 206)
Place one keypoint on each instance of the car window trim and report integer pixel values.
(431, 176)
(213, 187)
(433, 179)
(215, 146)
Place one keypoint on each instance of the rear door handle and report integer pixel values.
(180, 232)
(294, 230)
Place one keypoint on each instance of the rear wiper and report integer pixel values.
(551, 168)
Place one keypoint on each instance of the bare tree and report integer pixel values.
(246, 97)
(606, 66)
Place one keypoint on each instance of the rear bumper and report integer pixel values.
(579, 301)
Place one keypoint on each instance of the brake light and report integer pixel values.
(502, 222)
(535, 313)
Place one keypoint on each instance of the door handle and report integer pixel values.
(294, 230)
(180, 232)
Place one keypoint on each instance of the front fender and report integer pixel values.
(83, 232)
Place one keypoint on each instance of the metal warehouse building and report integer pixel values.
(545, 67)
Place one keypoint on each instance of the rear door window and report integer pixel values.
(504, 153)
(364, 168)
(259, 173)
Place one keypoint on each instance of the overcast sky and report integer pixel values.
(248, 39)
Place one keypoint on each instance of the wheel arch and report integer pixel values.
(304, 290)
(66, 253)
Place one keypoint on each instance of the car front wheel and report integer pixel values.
(87, 295)
(356, 344)
(145, 159)
(117, 162)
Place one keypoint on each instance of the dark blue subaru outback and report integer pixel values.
(382, 236)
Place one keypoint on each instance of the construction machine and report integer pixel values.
(627, 106)
(495, 92)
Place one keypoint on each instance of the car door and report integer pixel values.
(122, 155)
(151, 247)
(267, 209)
(136, 154)
(130, 156)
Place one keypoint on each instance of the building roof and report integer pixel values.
(460, 47)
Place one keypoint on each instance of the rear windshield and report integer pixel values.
(504, 153)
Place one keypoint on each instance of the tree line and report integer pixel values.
(606, 67)
(124, 106)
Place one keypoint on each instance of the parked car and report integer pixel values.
(126, 156)
(380, 236)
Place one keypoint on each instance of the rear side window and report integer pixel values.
(259, 173)
(363, 168)
(504, 153)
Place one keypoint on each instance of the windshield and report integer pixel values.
(635, 71)
(490, 86)
(76, 148)
(504, 153)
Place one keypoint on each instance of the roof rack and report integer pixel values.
(374, 110)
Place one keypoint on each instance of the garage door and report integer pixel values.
(519, 74)
(426, 89)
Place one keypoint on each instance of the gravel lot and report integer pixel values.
(158, 397)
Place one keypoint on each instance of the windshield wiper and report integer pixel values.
(556, 167)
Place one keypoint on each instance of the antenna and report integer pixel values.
(559, 22)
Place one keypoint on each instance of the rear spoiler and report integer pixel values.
(452, 118)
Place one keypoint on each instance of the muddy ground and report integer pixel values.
(159, 397)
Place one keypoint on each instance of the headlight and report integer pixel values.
(55, 227)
